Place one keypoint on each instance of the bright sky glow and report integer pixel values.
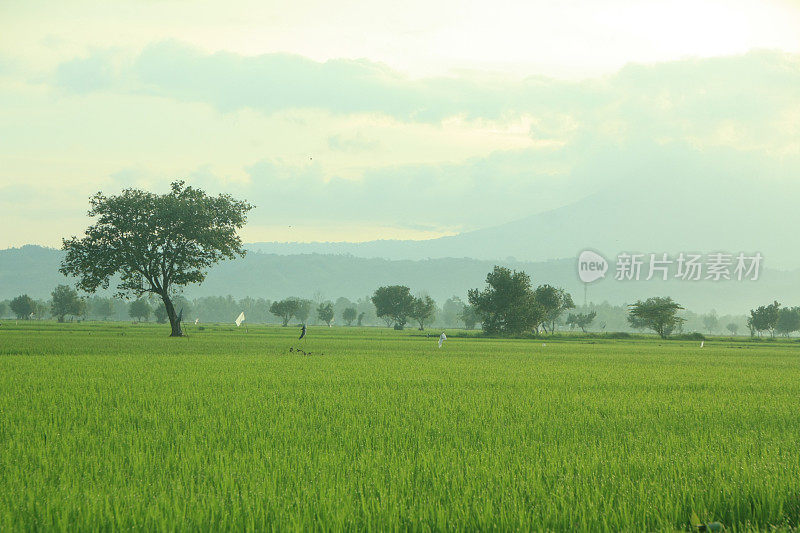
(375, 98)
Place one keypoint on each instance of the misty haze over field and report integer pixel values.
(261, 275)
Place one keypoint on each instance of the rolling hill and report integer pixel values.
(34, 270)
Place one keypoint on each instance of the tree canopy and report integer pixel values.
(65, 301)
(394, 303)
(22, 306)
(788, 321)
(303, 310)
(140, 309)
(553, 302)
(349, 315)
(507, 306)
(155, 243)
(285, 309)
(325, 312)
(423, 310)
(581, 320)
(764, 318)
(658, 313)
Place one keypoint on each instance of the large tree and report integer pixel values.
(303, 310)
(553, 301)
(140, 310)
(325, 312)
(285, 309)
(658, 313)
(23, 306)
(349, 315)
(155, 243)
(581, 320)
(65, 301)
(788, 320)
(764, 318)
(423, 310)
(507, 305)
(394, 304)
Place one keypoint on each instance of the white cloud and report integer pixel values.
(331, 147)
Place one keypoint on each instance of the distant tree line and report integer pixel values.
(508, 305)
(65, 304)
(774, 319)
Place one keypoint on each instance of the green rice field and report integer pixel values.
(118, 427)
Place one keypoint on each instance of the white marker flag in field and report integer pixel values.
(442, 338)
(239, 319)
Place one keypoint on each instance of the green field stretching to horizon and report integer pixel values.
(116, 426)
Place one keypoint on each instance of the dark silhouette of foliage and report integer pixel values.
(423, 310)
(65, 301)
(394, 304)
(155, 243)
(581, 320)
(22, 306)
(325, 312)
(658, 313)
(507, 306)
(553, 301)
(285, 309)
(349, 315)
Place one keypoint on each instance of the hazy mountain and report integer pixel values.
(34, 270)
(672, 216)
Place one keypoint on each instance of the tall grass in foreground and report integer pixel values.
(118, 427)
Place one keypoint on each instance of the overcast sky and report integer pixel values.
(357, 120)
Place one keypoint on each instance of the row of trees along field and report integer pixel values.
(774, 319)
(396, 306)
(66, 304)
(509, 305)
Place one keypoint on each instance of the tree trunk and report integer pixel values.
(173, 318)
